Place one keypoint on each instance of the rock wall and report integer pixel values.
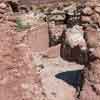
(37, 37)
(91, 13)
(91, 17)
(18, 76)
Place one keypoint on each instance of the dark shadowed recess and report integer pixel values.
(74, 54)
(13, 5)
(73, 78)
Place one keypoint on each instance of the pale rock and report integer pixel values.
(75, 37)
(87, 11)
(3, 5)
(37, 37)
(97, 9)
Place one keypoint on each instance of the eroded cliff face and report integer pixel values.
(18, 78)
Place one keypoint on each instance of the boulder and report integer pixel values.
(86, 19)
(74, 47)
(37, 37)
(91, 36)
(53, 51)
(74, 36)
(97, 9)
(87, 11)
(3, 5)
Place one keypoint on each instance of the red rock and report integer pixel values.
(93, 86)
(2, 11)
(88, 93)
(11, 18)
(16, 71)
(3, 5)
(53, 51)
(91, 37)
(97, 9)
(96, 52)
(37, 38)
(94, 73)
(11, 24)
(90, 28)
(86, 19)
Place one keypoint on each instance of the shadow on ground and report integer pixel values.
(71, 77)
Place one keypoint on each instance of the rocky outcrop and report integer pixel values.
(90, 13)
(92, 37)
(37, 37)
(90, 90)
(18, 78)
